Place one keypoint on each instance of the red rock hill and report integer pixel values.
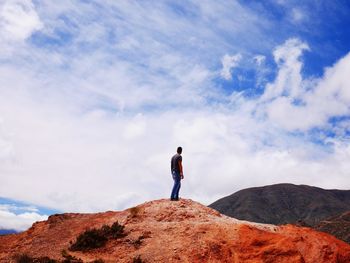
(184, 231)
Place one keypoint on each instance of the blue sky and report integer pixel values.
(96, 96)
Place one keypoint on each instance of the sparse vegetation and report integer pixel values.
(95, 238)
(90, 239)
(68, 258)
(137, 243)
(115, 231)
(137, 259)
(24, 258)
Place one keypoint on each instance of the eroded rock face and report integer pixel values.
(184, 231)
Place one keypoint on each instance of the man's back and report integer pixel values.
(175, 163)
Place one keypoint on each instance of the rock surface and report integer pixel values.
(183, 231)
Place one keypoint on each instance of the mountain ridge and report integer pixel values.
(7, 231)
(284, 203)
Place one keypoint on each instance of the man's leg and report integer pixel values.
(176, 187)
(173, 192)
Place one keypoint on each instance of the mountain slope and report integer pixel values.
(284, 203)
(339, 226)
(184, 231)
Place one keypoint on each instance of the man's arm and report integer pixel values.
(181, 171)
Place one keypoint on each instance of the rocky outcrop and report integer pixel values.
(183, 231)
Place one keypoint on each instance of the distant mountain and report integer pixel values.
(284, 203)
(7, 231)
(338, 226)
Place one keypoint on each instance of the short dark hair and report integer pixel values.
(179, 150)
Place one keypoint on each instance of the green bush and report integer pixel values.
(95, 238)
(116, 230)
(23, 258)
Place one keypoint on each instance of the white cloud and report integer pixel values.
(297, 15)
(20, 221)
(295, 103)
(15, 208)
(135, 128)
(288, 80)
(98, 160)
(85, 163)
(259, 59)
(228, 64)
(6, 147)
(18, 19)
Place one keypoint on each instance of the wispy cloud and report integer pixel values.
(228, 64)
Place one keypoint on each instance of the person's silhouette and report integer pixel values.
(177, 174)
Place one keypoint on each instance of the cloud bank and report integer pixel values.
(18, 218)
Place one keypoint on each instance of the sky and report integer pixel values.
(95, 97)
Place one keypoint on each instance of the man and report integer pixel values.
(177, 173)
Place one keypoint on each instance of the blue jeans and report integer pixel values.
(177, 185)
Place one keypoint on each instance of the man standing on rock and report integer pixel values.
(177, 173)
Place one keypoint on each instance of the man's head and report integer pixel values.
(179, 150)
